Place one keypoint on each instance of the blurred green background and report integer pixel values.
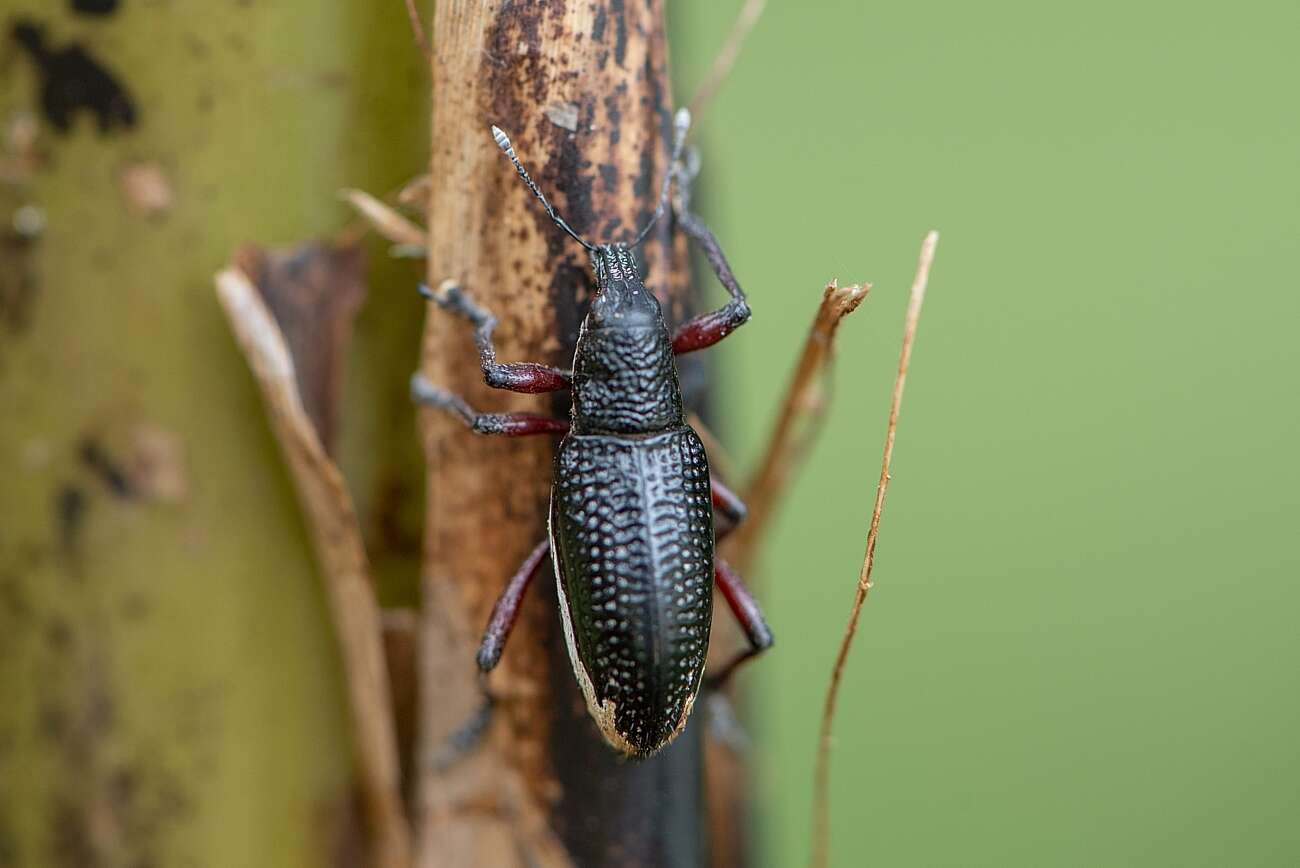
(1082, 645)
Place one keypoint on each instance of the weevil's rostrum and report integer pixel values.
(631, 531)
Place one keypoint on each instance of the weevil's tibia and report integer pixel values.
(707, 329)
(745, 608)
(503, 424)
(502, 621)
(506, 609)
(527, 377)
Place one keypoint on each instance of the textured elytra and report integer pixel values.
(632, 526)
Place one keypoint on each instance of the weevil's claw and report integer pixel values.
(422, 391)
(448, 295)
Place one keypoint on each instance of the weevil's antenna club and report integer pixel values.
(681, 125)
(503, 142)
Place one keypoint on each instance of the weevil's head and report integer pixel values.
(624, 374)
(622, 300)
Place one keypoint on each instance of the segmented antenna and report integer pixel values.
(503, 142)
(681, 123)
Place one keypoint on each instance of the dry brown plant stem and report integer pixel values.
(563, 796)
(797, 424)
(339, 547)
(821, 780)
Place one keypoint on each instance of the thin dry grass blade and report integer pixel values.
(821, 780)
(726, 56)
(384, 220)
(797, 424)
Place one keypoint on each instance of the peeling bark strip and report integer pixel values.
(337, 537)
(544, 771)
(314, 291)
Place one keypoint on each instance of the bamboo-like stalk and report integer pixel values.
(582, 90)
(169, 680)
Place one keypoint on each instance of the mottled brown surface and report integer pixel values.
(314, 291)
(551, 787)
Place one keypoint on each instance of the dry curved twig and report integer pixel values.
(797, 424)
(725, 59)
(337, 537)
(821, 780)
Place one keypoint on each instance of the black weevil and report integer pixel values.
(631, 531)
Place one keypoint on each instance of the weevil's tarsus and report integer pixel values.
(504, 614)
(706, 329)
(504, 424)
(681, 126)
(527, 377)
(467, 736)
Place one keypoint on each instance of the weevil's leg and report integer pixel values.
(466, 737)
(727, 504)
(501, 622)
(707, 329)
(506, 609)
(505, 424)
(745, 608)
(529, 377)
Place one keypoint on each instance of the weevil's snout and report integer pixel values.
(622, 300)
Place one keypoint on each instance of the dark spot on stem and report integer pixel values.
(643, 183)
(58, 634)
(614, 113)
(70, 515)
(8, 846)
(72, 81)
(18, 280)
(94, 7)
(72, 842)
(608, 177)
(620, 31)
(106, 469)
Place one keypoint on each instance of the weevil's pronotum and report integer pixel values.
(631, 530)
